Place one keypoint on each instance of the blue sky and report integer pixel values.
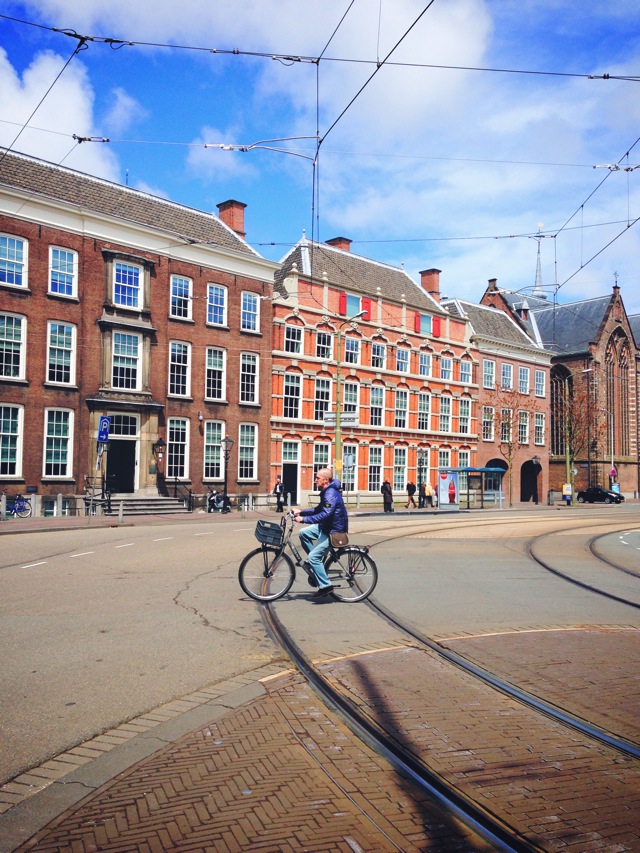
(426, 167)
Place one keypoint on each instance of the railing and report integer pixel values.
(184, 493)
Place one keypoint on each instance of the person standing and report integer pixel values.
(387, 496)
(329, 516)
(278, 491)
(411, 490)
(422, 496)
(429, 495)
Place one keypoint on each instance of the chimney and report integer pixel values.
(231, 212)
(430, 281)
(493, 285)
(340, 243)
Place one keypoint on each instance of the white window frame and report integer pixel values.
(212, 451)
(60, 266)
(523, 427)
(181, 299)
(245, 359)
(62, 443)
(71, 349)
(541, 383)
(425, 364)
(11, 441)
(250, 312)
(351, 350)
(378, 356)
(506, 416)
(506, 377)
(488, 373)
(444, 418)
(401, 409)
(539, 428)
(464, 416)
(321, 457)
(292, 396)
(403, 359)
(21, 347)
(378, 409)
(488, 423)
(444, 458)
(374, 470)
(293, 339)
(211, 371)
(446, 368)
(424, 411)
(350, 397)
(10, 265)
(466, 371)
(177, 464)
(137, 359)
(321, 397)
(247, 453)
(124, 301)
(324, 346)
(524, 380)
(217, 293)
(179, 369)
(399, 469)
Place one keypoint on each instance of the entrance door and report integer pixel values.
(290, 480)
(121, 465)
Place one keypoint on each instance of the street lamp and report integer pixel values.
(338, 472)
(423, 453)
(227, 444)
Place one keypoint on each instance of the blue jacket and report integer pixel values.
(331, 513)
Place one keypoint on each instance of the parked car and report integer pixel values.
(596, 494)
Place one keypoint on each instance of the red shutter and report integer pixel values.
(417, 322)
(366, 306)
(435, 325)
(342, 303)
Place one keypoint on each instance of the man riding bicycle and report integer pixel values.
(329, 516)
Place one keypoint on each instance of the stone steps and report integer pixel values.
(138, 505)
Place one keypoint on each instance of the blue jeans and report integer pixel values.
(316, 545)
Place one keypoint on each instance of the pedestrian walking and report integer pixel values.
(429, 495)
(278, 491)
(411, 490)
(387, 496)
(422, 496)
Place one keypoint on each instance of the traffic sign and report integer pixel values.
(346, 419)
(103, 429)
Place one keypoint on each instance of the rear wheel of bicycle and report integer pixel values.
(352, 573)
(265, 576)
(24, 510)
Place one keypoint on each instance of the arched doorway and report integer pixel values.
(529, 481)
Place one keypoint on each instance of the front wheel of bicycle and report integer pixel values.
(352, 573)
(264, 575)
(24, 510)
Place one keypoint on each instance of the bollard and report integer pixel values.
(59, 503)
(121, 512)
(3, 508)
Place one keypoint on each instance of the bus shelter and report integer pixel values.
(465, 488)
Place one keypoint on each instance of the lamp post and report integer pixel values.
(423, 454)
(338, 472)
(227, 444)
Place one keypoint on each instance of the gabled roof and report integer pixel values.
(491, 323)
(634, 322)
(47, 180)
(355, 274)
(569, 329)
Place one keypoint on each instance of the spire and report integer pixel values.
(537, 288)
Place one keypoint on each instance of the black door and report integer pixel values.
(121, 466)
(290, 481)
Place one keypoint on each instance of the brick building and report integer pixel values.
(408, 376)
(116, 303)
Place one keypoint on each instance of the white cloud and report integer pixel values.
(123, 112)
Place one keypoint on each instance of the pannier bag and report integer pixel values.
(339, 540)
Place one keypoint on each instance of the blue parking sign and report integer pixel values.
(103, 429)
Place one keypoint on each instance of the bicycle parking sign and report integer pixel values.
(103, 429)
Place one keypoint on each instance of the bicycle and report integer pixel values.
(268, 573)
(21, 507)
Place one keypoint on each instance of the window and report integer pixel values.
(179, 369)
(523, 380)
(423, 324)
(248, 378)
(216, 305)
(61, 353)
(424, 408)
(177, 447)
(291, 403)
(445, 414)
(126, 285)
(63, 272)
(424, 364)
(354, 305)
(58, 443)
(13, 261)
(126, 361)
(349, 465)
(293, 339)
(216, 374)
(540, 383)
(465, 416)
(399, 469)
(444, 458)
(13, 332)
(464, 461)
(249, 317)
(402, 360)
(507, 377)
(487, 423)
(446, 369)
(377, 405)
(212, 450)
(505, 426)
(350, 401)
(523, 427)
(465, 372)
(247, 451)
(351, 351)
(181, 297)
(322, 398)
(11, 432)
(538, 428)
(402, 405)
(378, 356)
(375, 469)
(324, 346)
(488, 373)
(320, 458)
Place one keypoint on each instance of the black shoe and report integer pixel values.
(324, 590)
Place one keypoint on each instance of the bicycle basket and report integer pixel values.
(269, 533)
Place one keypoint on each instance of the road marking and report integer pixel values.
(31, 565)
(128, 545)
(205, 534)
(83, 554)
(163, 539)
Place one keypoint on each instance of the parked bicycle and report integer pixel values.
(20, 507)
(268, 573)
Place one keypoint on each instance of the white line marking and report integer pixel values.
(205, 534)
(128, 545)
(31, 565)
(163, 539)
(83, 554)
